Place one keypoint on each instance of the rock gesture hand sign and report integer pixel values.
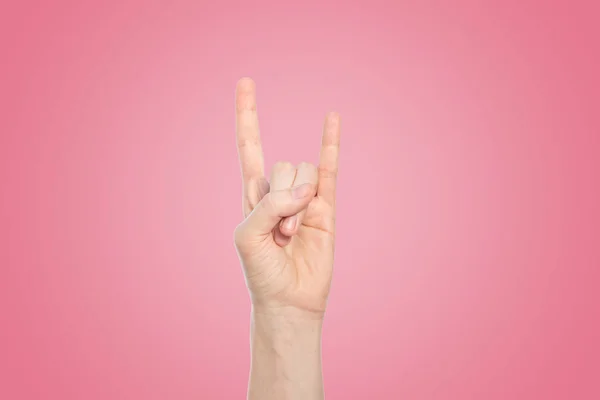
(286, 240)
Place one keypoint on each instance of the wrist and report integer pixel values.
(285, 356)
(285, 329)
(287, 313)
(286, 318)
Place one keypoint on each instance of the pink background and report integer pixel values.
(467, 258)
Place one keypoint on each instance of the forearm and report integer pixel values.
(286, 358)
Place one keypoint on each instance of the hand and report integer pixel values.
(286, 241)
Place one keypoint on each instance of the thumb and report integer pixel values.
(272, 208)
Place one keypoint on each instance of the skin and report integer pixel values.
(286, 247)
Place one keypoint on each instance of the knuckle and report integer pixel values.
(307, 166)
(248, 143)
(327, 172)
(283, 166)
(238, 235)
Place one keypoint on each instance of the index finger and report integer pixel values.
(247, 133)
(328, 162)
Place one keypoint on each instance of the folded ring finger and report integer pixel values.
(305, 173)
(282, 177)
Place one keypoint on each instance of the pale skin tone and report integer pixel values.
(286, 246)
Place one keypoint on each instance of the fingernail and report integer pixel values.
(290, 223)
(302, 191)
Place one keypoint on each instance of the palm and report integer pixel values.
(288, 267)
(315, 239)
(310, 259)
(299, 273)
